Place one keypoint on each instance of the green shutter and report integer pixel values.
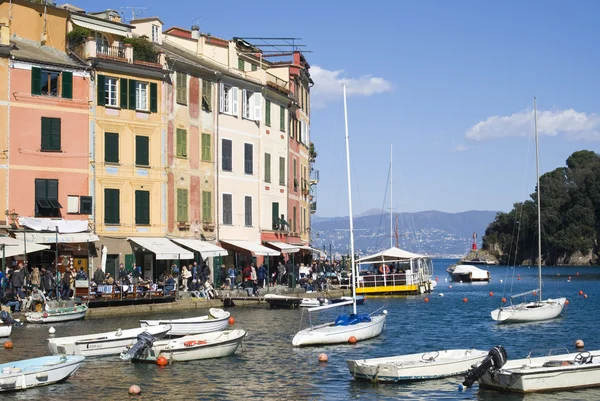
(178, 142)
(241, 64)
(282, 171)
(181, 146)
(267, 167)
(268, 113)
(36, 81)
(206, 206)
(111, 206)
(100, 85)
(142, 207)
(179, 202)
(182, 205)
(46, 133)
(275, 214)
(281, 118)
(111, 147)
(67, 85)
(206, 147)
(142, 150)
(55, 138)
(254, 67)
(123, 84)
(153, 97)
(131, 88)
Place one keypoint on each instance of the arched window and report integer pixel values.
(102, 45)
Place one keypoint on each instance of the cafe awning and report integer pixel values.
(283, 247)
(162, 248)
(252, 247)
(51, 238)
(313, 250)
(19, 249)
(206, 249)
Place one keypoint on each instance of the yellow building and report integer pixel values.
(4, 60)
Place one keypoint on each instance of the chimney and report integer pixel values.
(195, 32)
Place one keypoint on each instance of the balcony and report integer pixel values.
(277, 83)
(123, 52)
(314, 177)
(313, 207)
(111, 52)
(305, 187)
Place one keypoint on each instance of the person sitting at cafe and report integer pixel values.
(169, 284)
(109, 280)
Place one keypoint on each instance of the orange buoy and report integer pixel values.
(45, 315)
(426, 299)
(503, 300)
(8, 344)
(519, 278)
(135, 389)
(352, 340)
(323, 358)
(585, 295)
(465, 299)
(231, 320)
(567, 302)
(580, 292)
(491, 294)
(518, 274)
(162, 361)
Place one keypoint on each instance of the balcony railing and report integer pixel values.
(314, 177)
(117, 52)
(313, 207)
(277, 82)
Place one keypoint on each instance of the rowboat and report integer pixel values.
(102, 344)
(189, 348)
(216, 320)
(36, 372)
(421, 366)
(57, 315)
(313, 302)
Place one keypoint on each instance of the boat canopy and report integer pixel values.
(390, 255)
(474, 271)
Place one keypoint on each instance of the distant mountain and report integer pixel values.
(430, 232)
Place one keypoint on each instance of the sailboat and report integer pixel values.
(346, 328)
(539, 309)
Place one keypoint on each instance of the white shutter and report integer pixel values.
(234, 101)
(245, 105)
(257, 98)
(308, 134)
(221, 97)
(302, 131)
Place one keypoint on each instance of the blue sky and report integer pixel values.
(449, 83)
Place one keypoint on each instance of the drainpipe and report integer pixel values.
(219, 77)
(93, 147)
(7, 153)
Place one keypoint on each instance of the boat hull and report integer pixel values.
(58, 315)
(37, 372)
(330, 334)
(281, 301)
(5, 330)
(101, 344)
(529, 311)
(197, 325)
(421, 366)
(360, 300)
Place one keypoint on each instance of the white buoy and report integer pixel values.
(441, 294)
(51, 330)
(446, 280)
(500, 281)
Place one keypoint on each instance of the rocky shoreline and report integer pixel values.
(493, 257)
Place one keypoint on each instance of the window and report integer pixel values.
(268, 113)
(206, 147)
(141, 95)
(102, 45)
(228, 99)
(295, 178)
(267, 167)
(281, 118)
(282, 171)
(142, 150)
(85, 205)
(182, 204)
(275, 215)
(226, 162)
(254, 67)
(241, 64)
(206, 95)
(294, 219)
(155, 33)
(111, 206)
(248, 159)
(251, 105)
(111, 147)
(46, 198)
(142, 207)
(227, 212)
(110, 91)
(51, 83)
(206, 207)
(181, 88)
(248, 211)
(303, 219)
(50, 134)
(181, 146)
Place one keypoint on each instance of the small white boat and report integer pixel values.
(313, 302)
(529, 311)
(547, 373)
(102, 344)
(282, 301)
(57, 315)
(5, 330)
(421, 366)
(469, 274)
(189, 348)
(36, 372)
(216, 320)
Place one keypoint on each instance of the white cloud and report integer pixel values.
(573, 125)
(328, 85)
(460, 148)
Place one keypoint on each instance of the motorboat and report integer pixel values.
(360, 299)
(412, 367)
(282, 301)
(102, 344)
(188, 348)
(216, 320)
(36, 372)
(57, 315)
(313, 302)
(469, 274)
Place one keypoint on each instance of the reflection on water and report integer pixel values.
(267, 367)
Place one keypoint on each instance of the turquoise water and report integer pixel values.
(269, 368)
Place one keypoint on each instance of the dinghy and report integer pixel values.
(189, 348)
(36, 372)
(313, 302)
(6, 323)
(5, 330)
(421, 366)
(216, 320)
(57, 315)
(102, 344)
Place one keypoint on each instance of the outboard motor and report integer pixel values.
(496, 358)
(140, 348)
(6, 318)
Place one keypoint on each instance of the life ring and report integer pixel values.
(194, 342)
(384, 269)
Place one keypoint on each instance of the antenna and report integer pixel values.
(135, 12)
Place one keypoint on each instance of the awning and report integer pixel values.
(99, 27)
(284, 248)
(162, 248)
(313, 250)
(50, 238)
(64, 226)
(254, 248)
(20, 249)
(205, 248)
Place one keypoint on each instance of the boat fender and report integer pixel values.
(194, 342)
(42, 376)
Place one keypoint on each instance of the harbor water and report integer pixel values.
(267, 367)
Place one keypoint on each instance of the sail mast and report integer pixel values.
(352, 266)
(537, 168)
(391, 203)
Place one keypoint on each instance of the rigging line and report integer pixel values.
(383, 209)
(411, 217)
(340, 165)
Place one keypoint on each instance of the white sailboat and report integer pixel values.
(541, 309)
(361, 327)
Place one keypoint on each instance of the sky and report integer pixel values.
(448, 84)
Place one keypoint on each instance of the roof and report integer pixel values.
(148, 19)
(179, 32)
(28, 50)
(390, 255)
(183, 56)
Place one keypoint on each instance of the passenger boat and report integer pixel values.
(216, 320)
(421, 366)
(36, 372)
(102, 344)
(63, 314)
(188, 348)
(282, 301)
